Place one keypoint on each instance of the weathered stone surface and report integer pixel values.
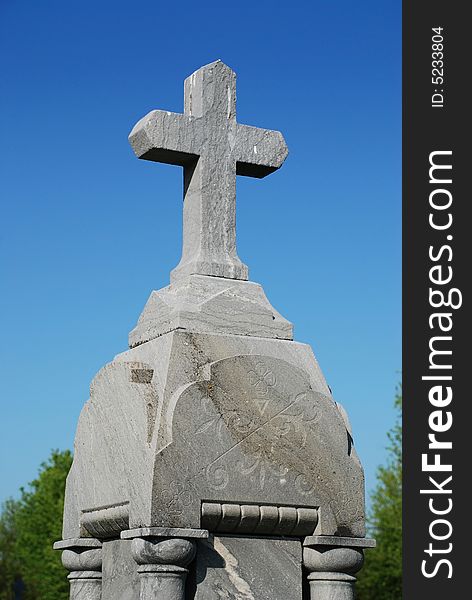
(212, 147)
(120, 572)
(202, 304)
(113, 459)
(85, 585)
(251, 568)
(256, 430)
(190, 418)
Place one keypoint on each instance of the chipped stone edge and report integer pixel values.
(77, 543)
(144, 532)
(334, 540)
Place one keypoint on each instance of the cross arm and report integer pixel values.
(259, 152)
(164, 137)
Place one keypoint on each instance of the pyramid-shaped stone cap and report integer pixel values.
(202, 304)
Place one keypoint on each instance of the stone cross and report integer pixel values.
(213, 148)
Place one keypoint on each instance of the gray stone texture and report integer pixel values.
(247, 568)
(120, 571)
(85, 586)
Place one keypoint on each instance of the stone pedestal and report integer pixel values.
(83, 558)
(332, 562)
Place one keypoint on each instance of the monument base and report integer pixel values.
(230, 567)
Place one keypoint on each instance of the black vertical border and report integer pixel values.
(427, 129)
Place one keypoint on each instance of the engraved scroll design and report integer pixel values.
(347, 505)
(260, 468)
(235, 422)
(217, 476)
(291, 426)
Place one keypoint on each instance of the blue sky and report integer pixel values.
(88, 230)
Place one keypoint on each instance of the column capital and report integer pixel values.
(163, 555)
(326, 559)
(330, 553)
(332, 562)
(82, 557)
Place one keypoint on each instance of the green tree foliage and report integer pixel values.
(381, 577)
(9, 565)
(28, 528)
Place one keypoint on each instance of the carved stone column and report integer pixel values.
(83, 558)
(163, 555)
(332, 562)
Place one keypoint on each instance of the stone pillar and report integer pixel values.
(83, 558)
(163, 555)
(162, 566)
(332, 562)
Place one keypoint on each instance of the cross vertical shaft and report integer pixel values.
(209, 234)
